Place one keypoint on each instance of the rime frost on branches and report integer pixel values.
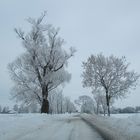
(109, 74)
(41, 68)
(86, 103)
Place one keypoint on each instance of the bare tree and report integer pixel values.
(41, 68)
(109, 74)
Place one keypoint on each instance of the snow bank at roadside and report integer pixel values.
(129, 126)
(116, 128)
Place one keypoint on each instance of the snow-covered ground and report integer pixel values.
(124, 115)
(69, 127)
(45, 127)
(117, 127)
(127, 124)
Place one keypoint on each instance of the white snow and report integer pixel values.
(124, 115)
(68, 127)
(127, 124)
(45, 127)
(119, 127)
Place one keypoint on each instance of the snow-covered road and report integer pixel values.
(47, 128)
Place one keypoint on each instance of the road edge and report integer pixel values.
(106, 133)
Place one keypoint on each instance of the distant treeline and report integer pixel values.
(128, 109)
(59, 104)
(4, 110)
(18, 109)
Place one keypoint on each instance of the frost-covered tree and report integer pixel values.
(110, 74)
(129, 109)
(33, 107)
(68, 105)
(15, 108)
(23, 109)
(103, 103)
(100, 100)
(86, 103)
(41, 68)
(60, 104)
(56, 100)
(5, 110)
(97, 99)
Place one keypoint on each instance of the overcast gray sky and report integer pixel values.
(92, 26)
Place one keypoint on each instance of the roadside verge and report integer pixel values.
(106, 131)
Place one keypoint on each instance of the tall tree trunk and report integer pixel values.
(45, 106)
(108, 109)
(108, 103)
(45, 102)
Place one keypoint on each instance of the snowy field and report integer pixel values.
(69, 127)
(125, 115)
(126, 124)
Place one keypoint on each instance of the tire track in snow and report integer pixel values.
(70, 128)
(82, 131)
(36, 133)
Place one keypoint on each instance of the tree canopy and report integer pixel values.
(109, 74)
(41, 68)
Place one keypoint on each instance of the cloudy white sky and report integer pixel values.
(92, 26)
